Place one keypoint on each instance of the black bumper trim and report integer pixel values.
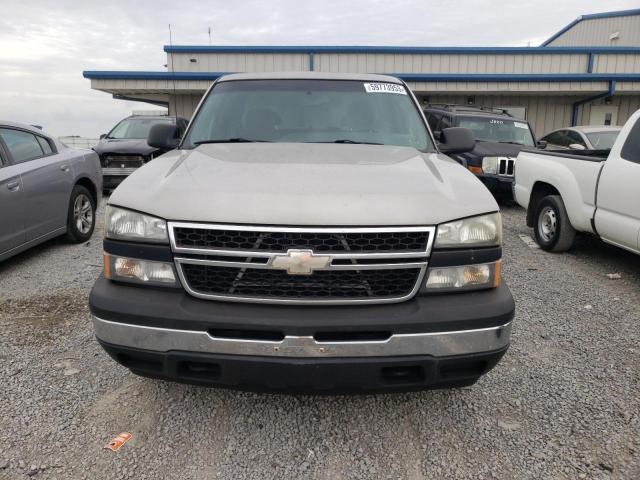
(467, 256)
(308, 375)
(145, 251)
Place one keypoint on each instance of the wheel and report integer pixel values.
(552, 229)
(81, 216)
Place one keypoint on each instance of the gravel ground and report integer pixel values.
(563, 403)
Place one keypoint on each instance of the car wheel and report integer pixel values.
(81, 216)
(553, 230)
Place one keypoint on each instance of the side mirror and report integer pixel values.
(577, 146)
(437, 134)
(456, 140)
(542, 144)
(104, 135)
(163, 136)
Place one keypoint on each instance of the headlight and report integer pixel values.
(481, 231)
(464, 277)
(139, 271)
(121, 224)
(490, 165)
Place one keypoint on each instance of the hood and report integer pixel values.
(305, 184)
(125, 146)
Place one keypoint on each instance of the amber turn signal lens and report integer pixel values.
(107, 266)
(497, 274)
(476, 170)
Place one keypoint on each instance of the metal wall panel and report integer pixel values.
(616, 63)
(183, 105)
(596, 32)
(510, 87)
(474, 63)
(237, 62)
(451, 63)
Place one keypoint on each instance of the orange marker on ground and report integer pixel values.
(118, 441)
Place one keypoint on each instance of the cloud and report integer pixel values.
(45, 46)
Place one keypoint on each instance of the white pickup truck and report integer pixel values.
(583, 191)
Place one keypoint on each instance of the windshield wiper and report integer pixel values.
(346, 140)
(496, 141)
(228, 140)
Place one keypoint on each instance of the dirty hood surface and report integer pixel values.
(305, 184)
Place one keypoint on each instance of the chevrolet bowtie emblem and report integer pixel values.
(300, 262)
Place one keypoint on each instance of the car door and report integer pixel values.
(12, 232)
(617, 216)
(46, 177)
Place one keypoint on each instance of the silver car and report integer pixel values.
(596, 137)
(46, 189)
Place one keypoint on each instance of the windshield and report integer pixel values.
(135, 128)
(487, 129)
(312, 111)
(603, 140)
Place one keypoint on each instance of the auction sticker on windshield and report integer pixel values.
(521, 125)
(384, 88)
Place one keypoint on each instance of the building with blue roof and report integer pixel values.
(588, 73)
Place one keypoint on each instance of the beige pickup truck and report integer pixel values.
(306, 235)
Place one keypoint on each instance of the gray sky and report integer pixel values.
(45, 46)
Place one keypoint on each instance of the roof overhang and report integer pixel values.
(158, 85)
(407, 77)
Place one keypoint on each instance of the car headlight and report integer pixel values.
(139, 271)
(481, 231)
(122, 224)
(464, 277)
(490, 165)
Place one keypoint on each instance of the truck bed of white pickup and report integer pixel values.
(585, 192)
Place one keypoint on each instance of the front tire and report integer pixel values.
(552, 228)
(81, 216)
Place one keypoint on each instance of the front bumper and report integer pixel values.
(112, 177)
(498, 184)
(427, 342)
(308, 375)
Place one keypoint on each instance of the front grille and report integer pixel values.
(506, 166)
(300, 265)
(281, 241)
(322, 285)
(111, 160)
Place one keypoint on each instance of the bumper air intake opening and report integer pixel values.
(458, 369)
(403, 374)
(146, 362)
(199, 370)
